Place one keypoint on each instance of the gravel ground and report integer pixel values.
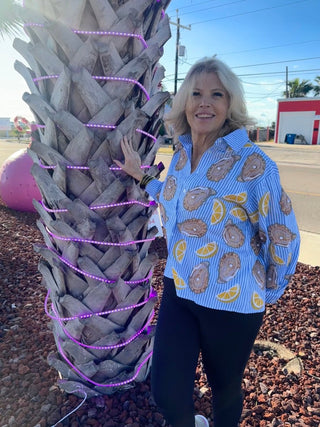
(29, 395)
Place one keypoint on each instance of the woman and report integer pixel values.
(233, 244)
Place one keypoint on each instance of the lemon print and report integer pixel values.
(254, 217)
(239, 198)
(264, 204)
(207, 251)
(218, 211)
(230, 295)
(178, 281)
(274, 256)
(179, 250)
(239, 213)
(256, 301)
(248, 144)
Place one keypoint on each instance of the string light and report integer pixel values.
(103, 126)
(111, 78)
(153, 294)
(112, 168)
(99, 126)
(147, 134)
(119, 384)
(96, 33)
(111, 205)
(96, 242)
(98, 278)
(112, 346)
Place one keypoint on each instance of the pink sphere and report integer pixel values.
(17, 186)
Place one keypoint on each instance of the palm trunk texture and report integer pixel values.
(94, 77)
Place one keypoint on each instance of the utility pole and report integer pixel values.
(177, 49)
(287, 83)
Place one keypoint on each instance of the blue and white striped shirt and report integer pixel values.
(232, 237)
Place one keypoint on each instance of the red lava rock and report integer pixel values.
(23, 369)
(27, 383)
(262, 398)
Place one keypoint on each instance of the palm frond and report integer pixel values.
(10, 21)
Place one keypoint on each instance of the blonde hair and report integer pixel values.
(237, 113)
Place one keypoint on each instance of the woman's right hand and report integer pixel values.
(132, 161)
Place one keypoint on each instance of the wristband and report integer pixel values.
(145, 180)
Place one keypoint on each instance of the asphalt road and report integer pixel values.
(300, 177)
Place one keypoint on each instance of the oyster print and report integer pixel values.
(193, 227)
(178, 146)
(199, 279)
(229, 266)
(170, 188)
(253, 167)
(219, 170)
(232, 235)
(263, 236)
(259, 274)
(196, 197)
(183, 158)
(280, 235)
(285, 203)
(272, 277)
(255, 243)
(163, 212)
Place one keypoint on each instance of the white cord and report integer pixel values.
(74, 410)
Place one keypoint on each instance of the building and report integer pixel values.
(298, 116)
(5, 126)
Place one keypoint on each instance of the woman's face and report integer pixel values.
(207, 107)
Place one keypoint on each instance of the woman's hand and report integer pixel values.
(132, 161)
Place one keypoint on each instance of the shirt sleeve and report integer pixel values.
(153, 188)
(279, 235)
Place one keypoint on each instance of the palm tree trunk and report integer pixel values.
(94, 77)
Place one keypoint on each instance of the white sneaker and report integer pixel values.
(201, 421)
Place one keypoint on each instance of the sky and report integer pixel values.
(258, 39)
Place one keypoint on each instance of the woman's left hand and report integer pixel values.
(132, 161)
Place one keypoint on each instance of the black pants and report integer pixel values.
(225, 340)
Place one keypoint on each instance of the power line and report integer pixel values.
(277, 72)
(270, 73)
(260, 84)
(213, 7)
(279, 85)
(195, 58)
(251, 11)
(196, 4)
(270, 63)
(266, 47)
(276, 62)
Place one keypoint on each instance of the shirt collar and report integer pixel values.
(236, 140)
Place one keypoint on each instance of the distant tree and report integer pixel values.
(316, 87)
(10, 21)
(16, 134)
(299, 89)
